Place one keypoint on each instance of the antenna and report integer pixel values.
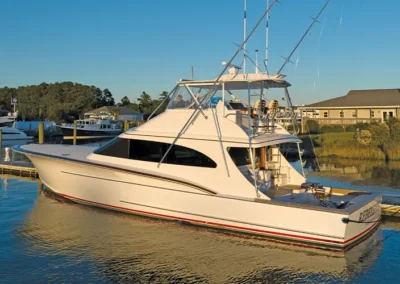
(287, 59)
(266, 40)
(244, 38)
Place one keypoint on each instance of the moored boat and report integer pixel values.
(92, 127)
(219, 172)
(208, 162)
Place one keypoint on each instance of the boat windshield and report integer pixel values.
(189, 97)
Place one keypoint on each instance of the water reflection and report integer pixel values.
(119, 247)
(363, 173)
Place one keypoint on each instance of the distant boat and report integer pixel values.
(92, 127)
(13, 136)
(10, 134)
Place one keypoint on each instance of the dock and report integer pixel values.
(19, 168)
(88, 137)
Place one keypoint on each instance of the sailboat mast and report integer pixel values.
(244, 38)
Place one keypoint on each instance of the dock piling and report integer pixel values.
(1, 141)
(74, 141)
(126, 126)
(41, 132)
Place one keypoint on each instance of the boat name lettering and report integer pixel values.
(366, 214)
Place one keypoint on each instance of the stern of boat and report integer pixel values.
(364, 219)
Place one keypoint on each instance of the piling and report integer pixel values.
(1, 141)
(126, 126)
(74, 142)
(41, 132)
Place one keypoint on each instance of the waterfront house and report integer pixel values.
(357, 106)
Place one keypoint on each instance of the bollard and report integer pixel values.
(74, 132)
(126, 126)
(7, 155)
(41, 132)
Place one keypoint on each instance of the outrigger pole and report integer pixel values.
(244, 37)
(266, 41)
(211, 93)
(287, 59)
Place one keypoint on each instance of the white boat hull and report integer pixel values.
(144, 194)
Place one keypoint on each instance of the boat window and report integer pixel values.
(182, 98)
(240, 156)
(236, 105)
(151, 151)
(154, 151)
(117, 147)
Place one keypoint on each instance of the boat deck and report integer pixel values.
(287, 195)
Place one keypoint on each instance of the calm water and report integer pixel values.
(47, 239)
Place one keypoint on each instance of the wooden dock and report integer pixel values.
(19, 168)
(88, 137)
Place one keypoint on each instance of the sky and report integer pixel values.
(131, 46)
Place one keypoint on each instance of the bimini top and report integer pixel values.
(234, 81)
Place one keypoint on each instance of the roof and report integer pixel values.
(241, 81)
(111, 109)
(363, 98)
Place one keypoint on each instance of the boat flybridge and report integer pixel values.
(210, 161)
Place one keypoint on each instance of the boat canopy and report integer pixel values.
(188, 94)
(240, 82)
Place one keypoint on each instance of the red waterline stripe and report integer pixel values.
(368, 229)
(217, 224)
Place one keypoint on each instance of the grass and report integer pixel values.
(393, 151)
(342, 145)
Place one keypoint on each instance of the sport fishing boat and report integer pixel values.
(212, 162)
(210, 165)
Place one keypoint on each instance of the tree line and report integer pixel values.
(66, 101)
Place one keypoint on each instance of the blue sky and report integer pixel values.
(135, 46)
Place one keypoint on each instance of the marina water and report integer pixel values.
(44, 238)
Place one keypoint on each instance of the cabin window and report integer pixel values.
(354, 114)
(341, 114)
(236, 105)
(372, 113)
(326, 114)
(117, 147)
(240, 156)
(151, 151)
